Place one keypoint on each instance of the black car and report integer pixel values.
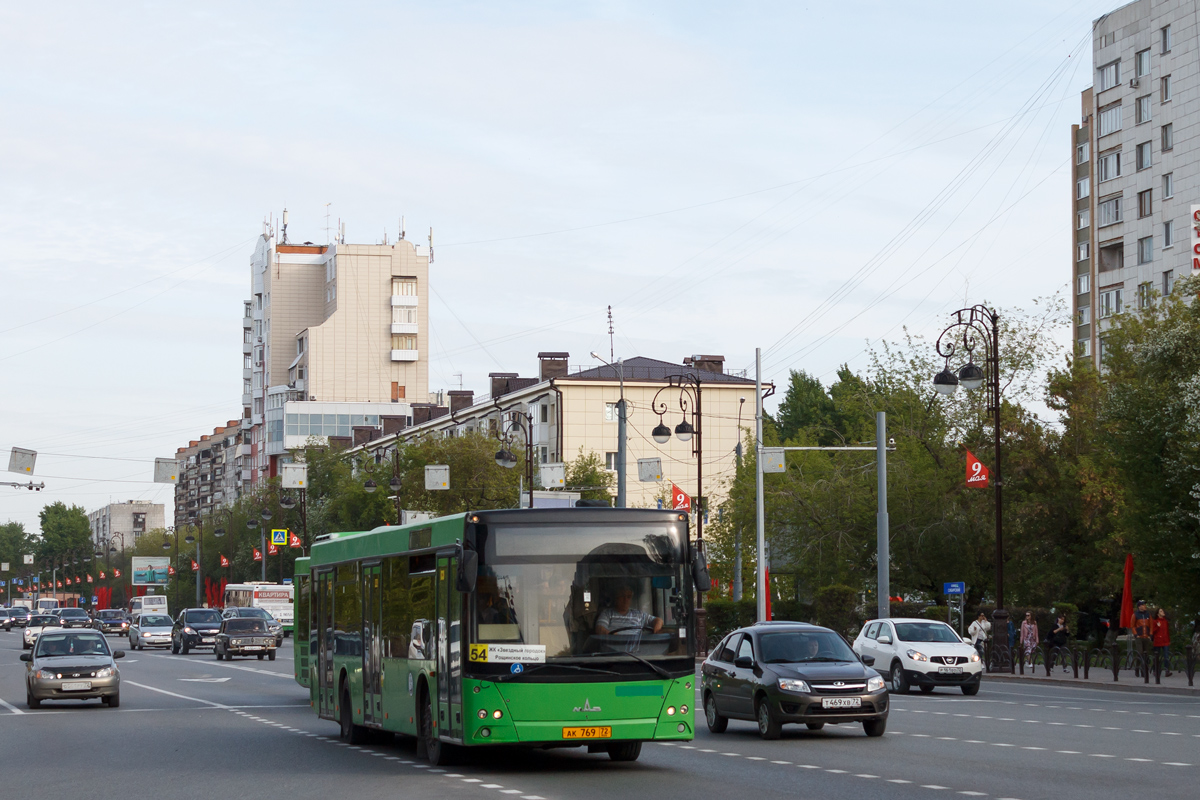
(244, 636)
(776, 673)
(111, 620)
(6, 620)
(19, 616)
(73, 617)
(248, 612)
(195, 627)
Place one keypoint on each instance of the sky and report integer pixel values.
(810, 179)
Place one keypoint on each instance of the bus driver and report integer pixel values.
(624, 620)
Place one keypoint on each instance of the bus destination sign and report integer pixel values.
(508, 653)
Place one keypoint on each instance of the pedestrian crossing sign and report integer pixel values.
(279, 537)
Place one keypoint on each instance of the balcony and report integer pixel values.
(405, 355)
(244, 450)
(247, 373)
(247, 322)
(404, 327)
(247, 347)
(406, 300)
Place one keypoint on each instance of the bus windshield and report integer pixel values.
(584, 591)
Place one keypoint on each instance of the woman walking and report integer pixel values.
(1029, 637)
(1160, 632)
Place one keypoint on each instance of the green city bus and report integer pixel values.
(538, 627)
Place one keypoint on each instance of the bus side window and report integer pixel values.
(397, 607)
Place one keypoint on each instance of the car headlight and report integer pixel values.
(44, 674)
(793, 685)
(106, 672)
(974, 658)
(916, 655)
(875, 684)
(146, 634)
(188, 630)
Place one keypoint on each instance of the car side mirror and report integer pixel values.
(885, 639)
(119, 654)
(966, 640)
(868, 660)
(468, 571)
(27, 656)
(743, 662)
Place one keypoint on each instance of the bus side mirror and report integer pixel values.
(700, 575)
(468, 571)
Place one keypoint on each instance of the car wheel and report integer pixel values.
(32, 701)
(769, 726)
(875, 727)
(926, 689)
(174, 647)
(114, 700)
(970, 689)
(24, 645)
(183, 648)
(716, 722)
(271, 656)
(217, 653)
(260, 656)
(899, 681)
(815, 726)
(624, 751)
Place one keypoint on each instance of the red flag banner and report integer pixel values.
(60, 584)
(89, 578)
(1127, 596)
(224, 561)
(257, 554)
(272, 550)
(170, 570)
(977, 473)
(101, 575)
(195, 566)
(679, 499)
(116, 573)
(294, 540)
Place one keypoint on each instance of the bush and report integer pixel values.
(836, 607)
(723, 616)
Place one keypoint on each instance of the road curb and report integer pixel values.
(1113, 686)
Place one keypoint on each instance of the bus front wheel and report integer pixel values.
(625, 751)
(437, 752)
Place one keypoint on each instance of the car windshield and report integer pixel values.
(203, 617)
(72, 613)
(794, 647)
(245, 626)
(53, 645)
(253, 613)
(43, 619)
(926, 632)
(584, 591)
(110, 614)
(154, 621)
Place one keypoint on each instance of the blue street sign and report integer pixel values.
(958, 587)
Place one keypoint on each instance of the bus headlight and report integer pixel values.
(683, 709)
(497, 714)
(670, 711)
(482, 714)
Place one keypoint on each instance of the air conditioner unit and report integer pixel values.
(1133, 83)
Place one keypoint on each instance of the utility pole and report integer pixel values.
(760, 523)
(621, 436)
(737, 537)
(883, 554)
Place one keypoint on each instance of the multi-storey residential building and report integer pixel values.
(1136, 165)
(575, 411)
(336, 332)
(211, 472)
(120, 524)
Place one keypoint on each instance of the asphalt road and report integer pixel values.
(191, 726)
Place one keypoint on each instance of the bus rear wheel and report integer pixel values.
(350, 733)
(624, 751)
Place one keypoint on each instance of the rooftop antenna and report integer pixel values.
(459, 376)
(327, 205)
(611, 356)
(341, 231)
(431, 244)
(285, 219)
(385, 235)
(401, 226)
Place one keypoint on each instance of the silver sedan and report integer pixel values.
(150, 629)
(72, 665)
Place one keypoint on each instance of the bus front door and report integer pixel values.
(449, 650)
(323, 625)
(372, 645)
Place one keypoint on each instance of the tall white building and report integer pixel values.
(1135, 165)
(335, 334)
(123, 523)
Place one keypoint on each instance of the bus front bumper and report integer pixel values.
(574, 732)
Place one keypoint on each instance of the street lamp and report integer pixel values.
(521, 421)
(972, 328)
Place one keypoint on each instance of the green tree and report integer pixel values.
(587, 470)
(805, 407)
(65, 531)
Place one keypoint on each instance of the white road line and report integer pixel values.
(11, 707)
(175, 694)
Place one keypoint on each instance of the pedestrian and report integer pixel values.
(1059, 638)
(979, 631)
(1029, 637)
(1143, 637)
(1160, 635)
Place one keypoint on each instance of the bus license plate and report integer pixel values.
(841, 702)
(588, 733)
(78, 686)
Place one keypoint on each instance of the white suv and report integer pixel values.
(920, 652)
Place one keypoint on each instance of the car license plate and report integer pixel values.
(252, 647)
(208, 640)
(588, 733)
(950, 670)
(841, 702)
(76, 686)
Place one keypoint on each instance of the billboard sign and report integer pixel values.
(150, 570)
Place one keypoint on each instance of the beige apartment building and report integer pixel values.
(121, 524)
(574, 410)
(335, 333)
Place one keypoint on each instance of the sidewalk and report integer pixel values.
(1101, 679)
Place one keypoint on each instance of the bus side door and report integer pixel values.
(372, 654)
(449, 649)
(323, 624)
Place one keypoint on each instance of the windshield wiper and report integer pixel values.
(649, 664)
(512, 675)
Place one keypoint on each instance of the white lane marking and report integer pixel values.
(898, 780)
(174, 694)
(1176, 764)
(11, 707)
(205, 680)
(288, 675)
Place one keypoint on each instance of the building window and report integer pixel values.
(1081, 153)
(1083, 188)
(1164, 89)
(1109, 165)
(1085, 315)
(1141, 63)
(1168, 282)
(610, 462)
(1082, 219)
(404, 287)
(1165, 37)
(1144, 297)
(1085, 347)
(1110, 119)
(299, 345)
(404, 341)
(1143, 156)
(1168, 234)
(610, 412)
(1141, 109)
(1110, 303)
(139, 521)
(1103, 349)
(1168, 185)
(1112, 256)
(1082, 251)
(1108, 212)
(404, 314)
(1109, 75)
(1145, 203)
(1168, 137)
(1145, 249)
(545, 412)
(1083, 283)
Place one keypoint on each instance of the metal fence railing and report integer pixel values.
(1113, 659)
